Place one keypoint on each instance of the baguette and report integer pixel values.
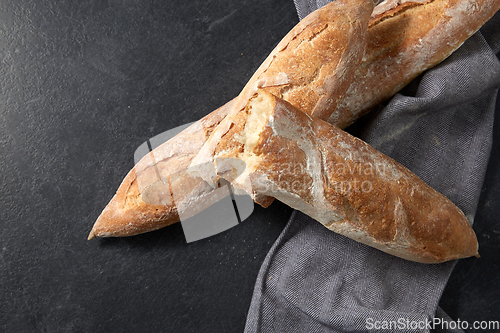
(405, 38)
(342, 182)
(128, 212)
(319, 55)
(390, 37)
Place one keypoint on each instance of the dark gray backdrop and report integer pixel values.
(82, 85)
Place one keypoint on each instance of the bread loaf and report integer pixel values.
(405, 38)
(342, 182)
(127, 213)
(390, 38)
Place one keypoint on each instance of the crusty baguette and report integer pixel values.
(405, 38)
(319, 55)
(388, 19)
(127, 213)
(342, 182)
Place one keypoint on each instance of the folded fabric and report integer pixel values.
(440, 127)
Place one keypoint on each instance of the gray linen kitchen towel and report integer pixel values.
(440, 127)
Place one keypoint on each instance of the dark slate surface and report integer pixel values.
(82, 85)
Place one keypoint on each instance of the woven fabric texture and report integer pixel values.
(440, 127)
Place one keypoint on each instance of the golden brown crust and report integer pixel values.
(313, 65)
(353, 189)
(405, 38)
(127, 213)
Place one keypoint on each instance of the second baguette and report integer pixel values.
(405, 38)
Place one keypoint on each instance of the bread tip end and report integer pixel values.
(91, 235)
